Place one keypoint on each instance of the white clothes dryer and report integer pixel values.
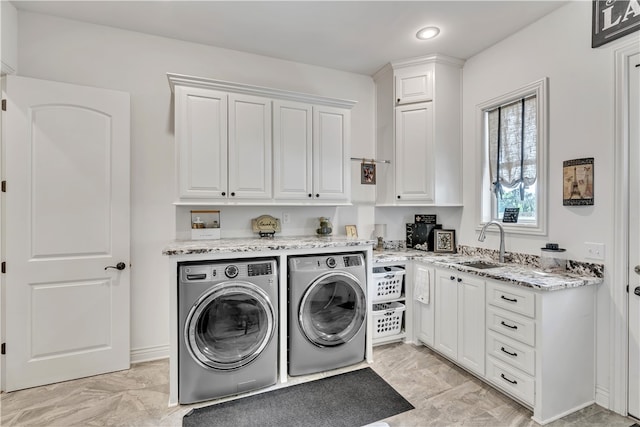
(327, 311)
(227, 324)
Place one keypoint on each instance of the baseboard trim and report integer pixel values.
(147, 354)
(602, 397)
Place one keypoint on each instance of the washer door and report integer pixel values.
(230, 325)
(332, 309)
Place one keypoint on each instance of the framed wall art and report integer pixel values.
(577, 182)
(367, 173)
(444, 241)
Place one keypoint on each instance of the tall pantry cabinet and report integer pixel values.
(418, 108)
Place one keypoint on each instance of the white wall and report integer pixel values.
(62, 50)
(581, 124)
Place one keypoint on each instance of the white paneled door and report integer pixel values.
(67, 222)
(634, 235)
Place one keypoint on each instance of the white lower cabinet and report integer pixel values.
(537, 346)
(540, 347)
(460, 319)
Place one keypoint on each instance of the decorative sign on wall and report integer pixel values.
(577, 186)
(613, 19)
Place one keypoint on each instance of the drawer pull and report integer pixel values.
(508, 352)
(508, 380)
(509, 299)
(508, 326)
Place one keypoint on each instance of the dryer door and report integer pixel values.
(230, 325)
(332, 309)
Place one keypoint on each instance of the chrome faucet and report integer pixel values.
(482, 236)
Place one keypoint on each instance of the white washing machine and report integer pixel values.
(227, 328)
(327, 312)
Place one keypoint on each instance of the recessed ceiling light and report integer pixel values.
(428, 33)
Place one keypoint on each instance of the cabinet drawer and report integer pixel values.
(514, 382)
(511, 298)
(512, 325)
(512, 352)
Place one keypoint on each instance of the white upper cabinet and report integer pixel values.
(414, 84)
(311, 153)
(9, 38)
(414, 151)
(201, 129)
(420, 101)
(244, 144)
(249, 147)
(292, 150)
(331, 153)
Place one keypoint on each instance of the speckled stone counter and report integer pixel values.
(186, 247)
(513, 273)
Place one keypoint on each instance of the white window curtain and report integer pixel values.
(513, 145)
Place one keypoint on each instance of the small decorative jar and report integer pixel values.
(553, 258)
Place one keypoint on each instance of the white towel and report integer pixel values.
(422, 285)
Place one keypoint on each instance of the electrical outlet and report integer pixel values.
(594, 250)
(286, 217)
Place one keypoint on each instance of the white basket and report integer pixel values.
(387, 282)
(387, 319)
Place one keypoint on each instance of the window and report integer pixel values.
(513, 130)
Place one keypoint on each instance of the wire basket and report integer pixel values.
(387, 283)
(387, 319)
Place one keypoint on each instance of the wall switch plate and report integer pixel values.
(286, 217)
(595, 250)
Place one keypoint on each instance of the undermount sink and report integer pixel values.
(482, 265)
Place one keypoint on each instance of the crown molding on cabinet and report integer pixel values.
(206, 83)
(436, 58)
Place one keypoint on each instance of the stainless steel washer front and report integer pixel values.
(228, 317)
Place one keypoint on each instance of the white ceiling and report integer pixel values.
(355, 36)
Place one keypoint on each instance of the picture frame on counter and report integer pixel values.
(444, 241)
(351, 231)
(205, 224)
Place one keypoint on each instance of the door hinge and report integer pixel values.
(4, 186)
(4, 105)
(4, 267)
(4, 349)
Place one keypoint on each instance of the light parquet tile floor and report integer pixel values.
(443, 395)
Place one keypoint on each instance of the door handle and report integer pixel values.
(118, 266)
(637, 291)
(637, 269)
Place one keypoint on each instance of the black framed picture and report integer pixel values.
(612, 19)
(368, 173)
(444, 241)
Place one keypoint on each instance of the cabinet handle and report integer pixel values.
(459, 280)
(508, 380)
(317, 195)
(224, 194)
(508, 352)
(233, 194)
(508, 326)
(509, 299)
(398, 197)
(310, 195)
(452, 277)
(398, 100)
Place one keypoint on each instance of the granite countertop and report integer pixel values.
(186, 247)
(511, 273)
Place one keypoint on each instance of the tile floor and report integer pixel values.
(442, 393)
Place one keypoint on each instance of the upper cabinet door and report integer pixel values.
(414, 84)
(249, 147)
(414, 153)
(292, 151)
(201, 129)
(331, 153)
